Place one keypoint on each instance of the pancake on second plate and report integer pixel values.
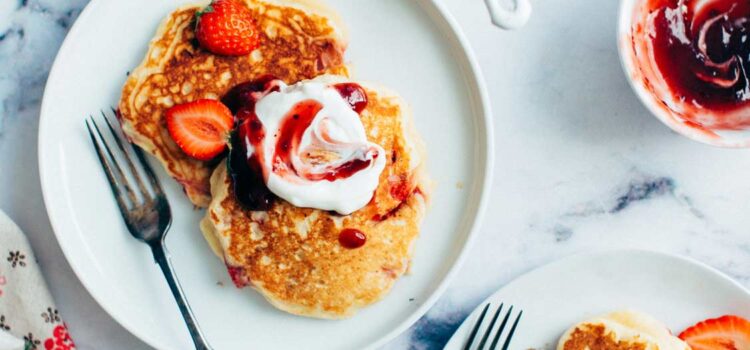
(298, 40)
(293, 256)
(622, 330)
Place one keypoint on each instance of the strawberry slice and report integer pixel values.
(200, 128)
(227, 27)
(723, 333)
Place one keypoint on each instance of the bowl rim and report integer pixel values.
(718, 138)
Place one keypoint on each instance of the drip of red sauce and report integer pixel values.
(400, 187)
(237, 274)
(418, 190)
(344, 171)
(354, 95)
(247, 174)
(703, 52)
(352, 238)
(392, 212)
(246, 94)
(292, 129)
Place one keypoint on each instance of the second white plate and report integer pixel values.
(676, 290)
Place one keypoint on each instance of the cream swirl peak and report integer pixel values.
(312, 149)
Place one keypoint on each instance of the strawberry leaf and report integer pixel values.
(208, 9)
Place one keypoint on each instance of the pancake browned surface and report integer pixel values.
(292, 255)
(622, 330)
(299, 40)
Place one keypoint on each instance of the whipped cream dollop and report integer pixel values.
(314, 152)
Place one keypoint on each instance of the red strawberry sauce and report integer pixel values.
(352, 238)
(291, 131)
(701, 50)
(246, 172)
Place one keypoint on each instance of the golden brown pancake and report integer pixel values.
(292, 255)
(622, 330)
(298, 40)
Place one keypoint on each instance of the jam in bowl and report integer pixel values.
(689, 62)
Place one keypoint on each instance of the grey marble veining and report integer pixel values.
(31, 31)
(581, 165)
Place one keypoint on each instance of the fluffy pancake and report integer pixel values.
(292, 256)
(622, 330)
(298, 40)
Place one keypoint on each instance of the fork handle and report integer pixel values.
(161, 255)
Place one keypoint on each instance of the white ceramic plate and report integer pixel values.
(676, 290)
(413, 47)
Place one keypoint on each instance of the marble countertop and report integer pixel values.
(581, 165)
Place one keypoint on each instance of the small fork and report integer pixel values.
(146, 212)
(491, 328)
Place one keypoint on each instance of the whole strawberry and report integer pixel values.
(226, 27)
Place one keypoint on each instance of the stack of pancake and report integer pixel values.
(291, 255)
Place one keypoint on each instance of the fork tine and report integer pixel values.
(123, 181)
(476, 327)
(144, 191)
(512, 330)
(501, 329)
(489, 328)
(155, 185)
(113, 183)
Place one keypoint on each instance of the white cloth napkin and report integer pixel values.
(28, 317)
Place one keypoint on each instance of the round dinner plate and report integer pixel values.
(413, 47)
(675, 290)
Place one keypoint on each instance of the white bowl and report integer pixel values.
(720, 138)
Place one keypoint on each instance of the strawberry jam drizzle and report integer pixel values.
(343, 171)
(246, 94)
(292, 129)
(247, 174)
(246, 171)
(400, 187)
(351, 238)
(237, 274)
(391, 213)
(354, 95)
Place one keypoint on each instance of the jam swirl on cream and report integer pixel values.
(307, 144)
(694, 56)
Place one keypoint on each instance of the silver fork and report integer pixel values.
(146, 212)
(491, 328)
